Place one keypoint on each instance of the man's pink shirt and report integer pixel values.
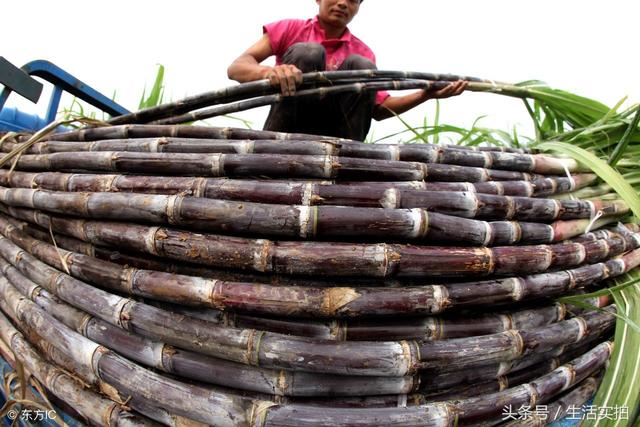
(283, 34)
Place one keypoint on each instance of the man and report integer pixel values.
(318, 44)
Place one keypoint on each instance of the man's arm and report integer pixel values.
(247, 68)
(395, 105)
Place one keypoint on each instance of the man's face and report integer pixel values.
(338, 13)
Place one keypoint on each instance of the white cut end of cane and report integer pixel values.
(442, 414)
(304, 218)
(150, 240)
(157, 350)
(307, 193)
(582, 328)
(246, 147)
(394, 152)
(551, 234)
(503, 383)
(282, 135)
(504, 368)
(170, 210)
(580, 253)
(517, 288)
(381, 257)
(511, 207)
(488, 233)
(415, 216)
(569, 375)
(528, 189)
(216, 164)
(389, 198)
(488, 159)
(417, 185)
(561, 312)
(470, 187)
(260, 257)
(620, 261)
(507, 321)
(327, 167)
(155, 144)
(557, 207)
(440, 296)
(109, 185)
(199, 187)
(636, 239)
(592, 209)
(32, 202)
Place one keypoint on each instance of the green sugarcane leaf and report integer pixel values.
(157, 90)
(600, 168)
(621, 384)
(620, 148)
(436, 122)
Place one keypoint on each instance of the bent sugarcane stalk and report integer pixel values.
(279, 300)
(331, 259)
(300, 222)
(89, 404)
(424, 153)
(276, 191)
(295, 353)
(463, 204)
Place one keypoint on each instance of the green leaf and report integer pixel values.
(600, 168)
(620, 148)
(157, 91)
(621, 384)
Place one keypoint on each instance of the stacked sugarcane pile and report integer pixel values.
(184, 274)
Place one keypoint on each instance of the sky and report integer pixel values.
(586, 47)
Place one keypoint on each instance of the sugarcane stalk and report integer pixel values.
(195, 402)
(499, 377)
(149, 262)
(559, 408)
(332, 259)
(202, 368)
(463, 204)
(273, 191)
(271, 165)
(441, 385)
(91, 405)
(461, 412)
(279, 300)
(283, 383)
(85, 375)
(182, 131)
(424, 153)
(541, 390)
(300, 222)
(103, 274)
(273, 350)
(264, 87)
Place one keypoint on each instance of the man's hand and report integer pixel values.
(286, 76)
(452, 89)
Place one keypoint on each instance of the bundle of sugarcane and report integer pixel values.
(191, 274)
